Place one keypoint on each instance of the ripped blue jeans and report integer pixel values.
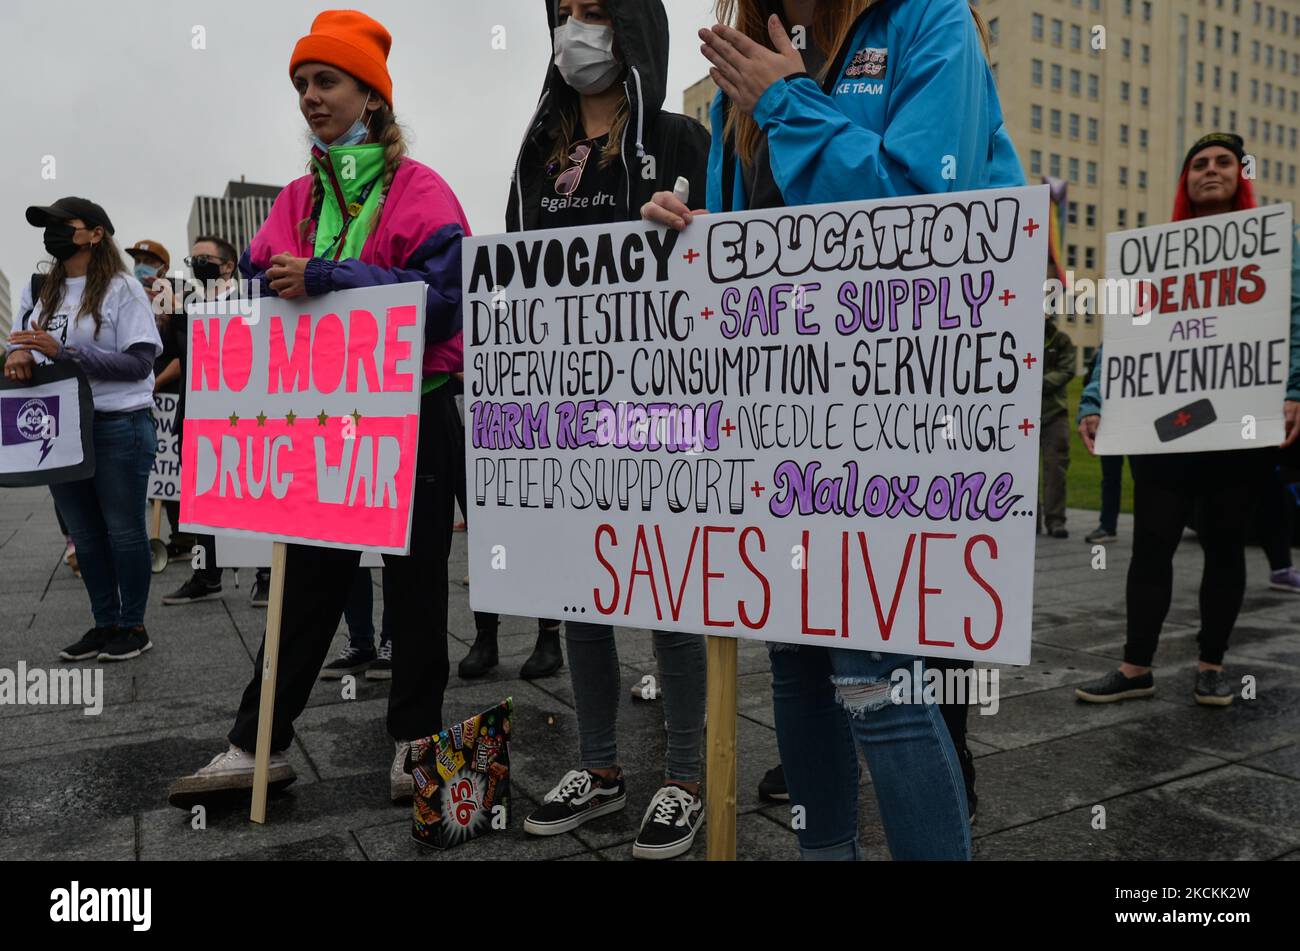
(829, 700)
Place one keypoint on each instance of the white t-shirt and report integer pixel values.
(126, 319)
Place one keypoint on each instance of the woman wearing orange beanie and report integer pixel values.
(389, 220)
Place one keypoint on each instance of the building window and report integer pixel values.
(1254, 51)
(1124, 91)
(1054, 165)
(1055, 125)
(1036, 72)
(1072, 213)
(1089, 257)
(1232, 119)
(1144, 96)
(1092, 173)
(1057, 28)
(1123, 133)
(1142, 179)
(1142, 139)
(1074, 125)
(1218, 37)
(1057, 72)
(1128, 8)
(1215, 115)
(1146, 11)
(1090, 216)
(1268, 131)
(1200, 74)
(1200, 114)
(1035, 162)
(1071, 255)
(1074, 170)
(1121, 218)
(1094, 86)
(1254, 127)
(1218, 76)
(1076, 37)
(1200, 32)
(1254, 90)
(1093, 130)
(1126, 47)
(1036, 118)
(1123, 176)
(1141, 219)
(1232, 82)
(1236, 42)
(1036, 26)
(1076, 83)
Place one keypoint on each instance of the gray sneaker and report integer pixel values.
(1100, 536)
(1115, 686)
(1213, 689)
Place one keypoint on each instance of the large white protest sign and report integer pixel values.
(302, 418)
(1202, 362)
(165, 480)
(816, 425)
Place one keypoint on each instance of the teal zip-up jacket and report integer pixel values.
(1090, 401)
(909, 107)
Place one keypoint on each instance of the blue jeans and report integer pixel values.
(105, 515)
(825, 699)
(359, 611)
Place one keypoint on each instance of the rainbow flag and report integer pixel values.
(1056, 223)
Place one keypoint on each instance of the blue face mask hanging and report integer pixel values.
(145, 272)
(354, 136)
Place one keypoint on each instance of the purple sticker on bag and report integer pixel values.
(26, 419)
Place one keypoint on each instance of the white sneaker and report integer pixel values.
(401, 784)
(669, 825)
(228, 772)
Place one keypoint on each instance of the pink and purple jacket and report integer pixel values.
(416, 238)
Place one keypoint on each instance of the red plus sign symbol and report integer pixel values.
(1182, 419)
(1006, 297)
(1031, 227)
(691, 255)
(706, 313)
(757, 489)
(1025, 426)
(1029, 361)
(728, 428)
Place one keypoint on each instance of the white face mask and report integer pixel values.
(354, 136)
(584, 55)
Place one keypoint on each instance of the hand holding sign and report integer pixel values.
(288, 276)
(18, 367)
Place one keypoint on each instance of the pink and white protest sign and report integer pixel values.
(302, 418)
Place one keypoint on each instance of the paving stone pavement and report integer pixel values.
(1177, 781)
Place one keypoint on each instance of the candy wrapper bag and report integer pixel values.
(462, 779)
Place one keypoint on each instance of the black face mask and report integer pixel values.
(208, 271)
(59, 243)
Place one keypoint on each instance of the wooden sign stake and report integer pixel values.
(720, 786)
(270, 665)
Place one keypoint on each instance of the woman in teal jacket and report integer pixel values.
(887, 98)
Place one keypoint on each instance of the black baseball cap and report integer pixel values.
(42, 216)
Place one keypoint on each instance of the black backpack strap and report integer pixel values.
(38, 282)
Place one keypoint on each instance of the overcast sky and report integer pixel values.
(139, 121)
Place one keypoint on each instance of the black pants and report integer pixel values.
(1273, 508)
(1216, 489)
(316, 586)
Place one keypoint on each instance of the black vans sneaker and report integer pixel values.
(91, 643)
(261, 592)
(1115, 686)
(772, 786)
(196, 589)
(579, 796)
(1213, 688)
(669, 825)
(381, 668)
(125, 644)
(351, 660)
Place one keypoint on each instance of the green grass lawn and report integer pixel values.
(1083, 482)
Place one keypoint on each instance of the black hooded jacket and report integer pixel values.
(678, 144)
